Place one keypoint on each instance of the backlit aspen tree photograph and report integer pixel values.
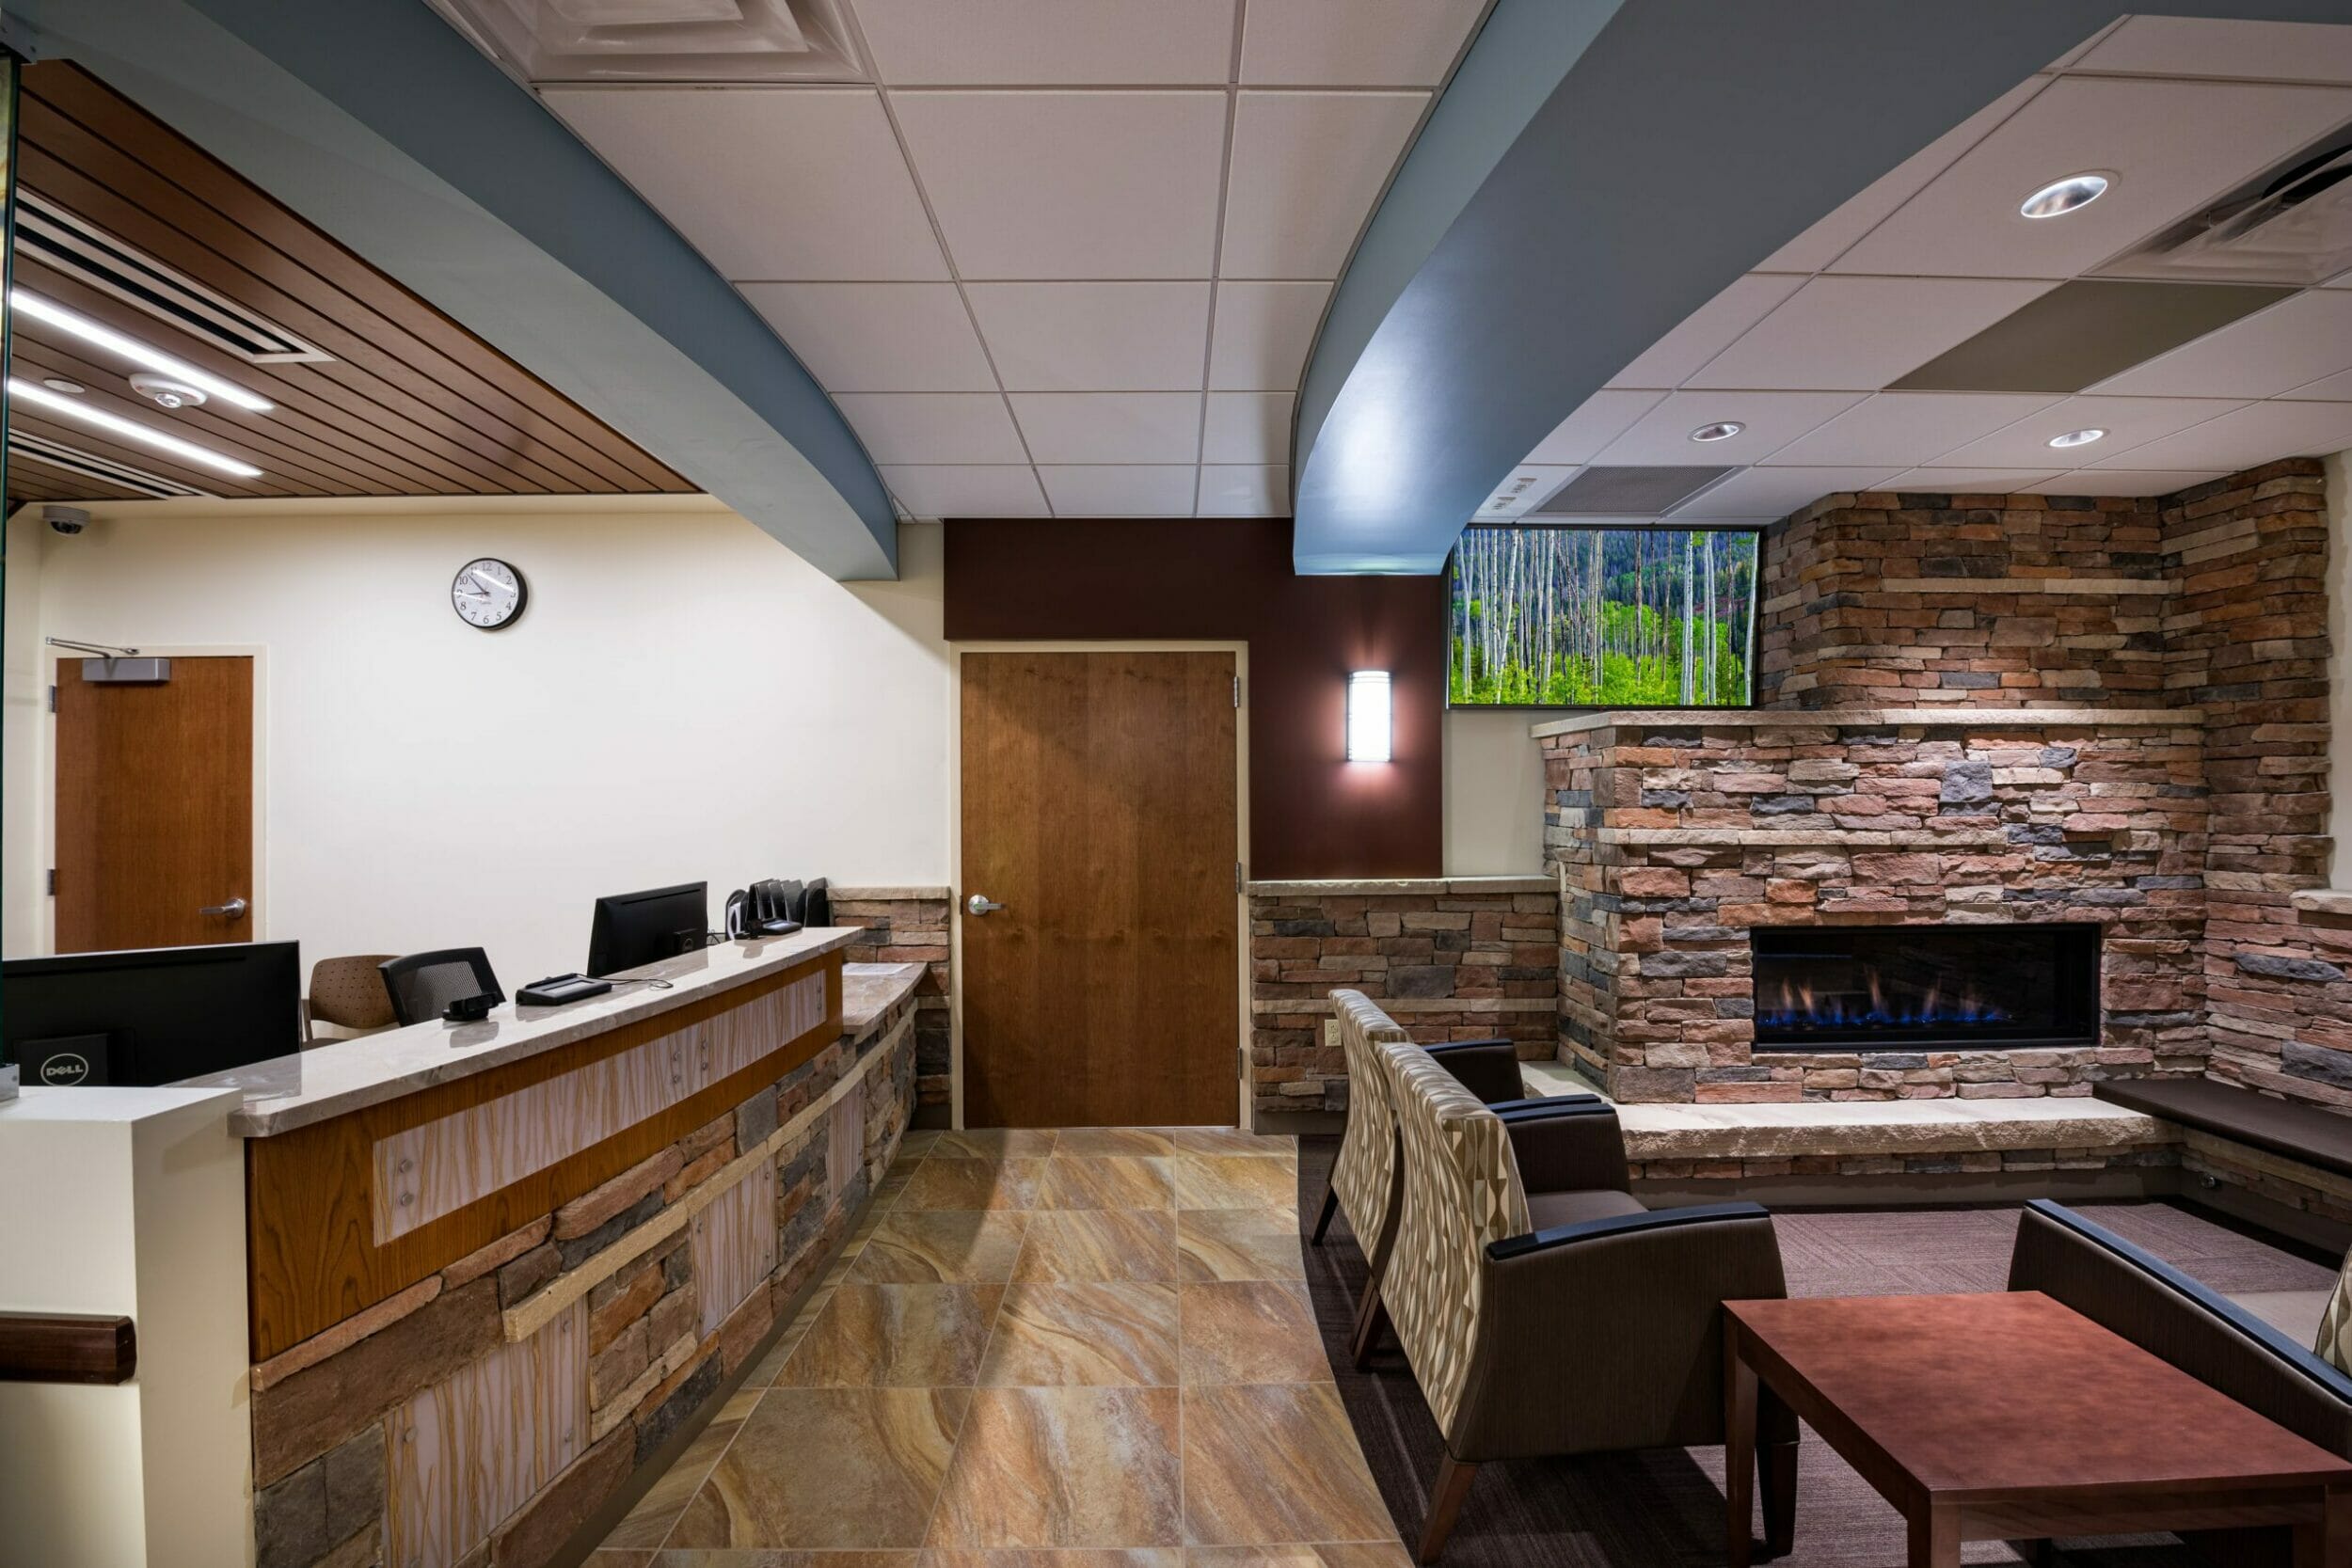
(1601, 617)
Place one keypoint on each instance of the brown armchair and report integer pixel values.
(1482, 1276)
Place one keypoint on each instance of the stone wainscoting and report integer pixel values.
(913, 925)
(335, 1416)
(1464, 957)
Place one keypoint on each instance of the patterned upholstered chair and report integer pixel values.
(346, 995)
(1575, 1321)
(1363, 1177)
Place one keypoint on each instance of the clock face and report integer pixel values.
(488, 594)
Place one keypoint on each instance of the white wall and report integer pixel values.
(1494, 793)
(684, 699)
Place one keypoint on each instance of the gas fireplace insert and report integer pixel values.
(1894, 988)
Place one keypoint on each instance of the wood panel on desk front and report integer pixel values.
(311, 1244)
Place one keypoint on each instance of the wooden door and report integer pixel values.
(1099, 809)
(154, 807)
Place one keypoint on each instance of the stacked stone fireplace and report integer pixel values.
(2103, 715)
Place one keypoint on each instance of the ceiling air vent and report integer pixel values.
(660, 41)
(1627, 492)
(47, 233)
(112, 478)
(2291, 226)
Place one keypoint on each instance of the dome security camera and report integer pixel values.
(67, 520)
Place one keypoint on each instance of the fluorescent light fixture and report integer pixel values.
(102, 335)
(2061, 197)
(1721, 430)
(2079, 437)
(129, 429)
(1368, 715)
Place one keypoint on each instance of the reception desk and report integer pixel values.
(496, 1274)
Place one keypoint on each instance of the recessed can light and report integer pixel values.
(1721, 430)
(2061, 197)
(60, 384)
(2079, 437)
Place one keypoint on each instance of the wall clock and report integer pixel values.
(488, 594)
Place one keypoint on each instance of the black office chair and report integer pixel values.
(422, 985)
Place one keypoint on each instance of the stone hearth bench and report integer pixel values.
(2280, 1163)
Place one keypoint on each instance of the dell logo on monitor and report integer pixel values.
(65, 1067)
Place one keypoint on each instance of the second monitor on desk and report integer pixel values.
(633, 929)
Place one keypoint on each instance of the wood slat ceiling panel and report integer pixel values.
(411, 404)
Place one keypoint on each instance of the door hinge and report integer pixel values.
(1241, 1054)
(1237, 691)
(53, 881)
(1237, 876)
(53, 699)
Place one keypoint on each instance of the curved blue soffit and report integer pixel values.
(377, 121)
(1678, 144)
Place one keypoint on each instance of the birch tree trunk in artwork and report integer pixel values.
(1689, 558)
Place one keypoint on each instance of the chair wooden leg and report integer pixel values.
(1779, 1467)
(1445, 1506)
(1371, 1318)
(1323, 1221)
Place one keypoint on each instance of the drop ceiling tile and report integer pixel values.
(1110, 427)
(2173, 146)
(1244, 491)
(1707, 331)
(1910, 427)
(1307, 167)
(2332, 388)
(2305, 337)
(2198, 46)
(2247, 438)
(1263, 333)
(1598, 421)
(1036, 185)
(1050, 42)
(810, 182)
(2128, 482)
(966, 490)
(2128, 422)
(1121, 491)
(1663, 435)
(1938, 480)
(1246, 427)
(934, 427)
(1778, 492)
(1528, 483)
(1826, 240)
(1354, 43)
(1863, 332)
(1095, 337)
(877, 337)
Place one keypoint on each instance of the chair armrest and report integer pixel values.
(1568, 1146)
(1644, 1364)
(1489, 1069)
(1507, 1107)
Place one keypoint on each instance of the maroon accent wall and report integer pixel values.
(1311, 812)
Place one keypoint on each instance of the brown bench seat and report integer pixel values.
(2300, 1133)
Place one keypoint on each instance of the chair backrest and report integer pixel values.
(349, 992)
(422, 985)
(1364, 1174)
(1461, 1192)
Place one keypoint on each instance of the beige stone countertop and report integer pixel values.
(869, 990)
(1392, 887)
(1845, 717)
(1773, 1131)
(344, 1075)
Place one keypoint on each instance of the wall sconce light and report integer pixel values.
(1368, 715)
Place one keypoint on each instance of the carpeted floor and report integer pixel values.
(1664, 1509)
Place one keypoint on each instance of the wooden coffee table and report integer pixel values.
(2009, 1417)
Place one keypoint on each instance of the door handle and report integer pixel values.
(979, 903)
(235, 909)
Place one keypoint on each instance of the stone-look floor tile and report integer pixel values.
(1359, 1554)
(1099, 1243)
(1095, 1143)
(648, 1523)
(1235, 1181)
(1071, 1557)
(829, 1469)
(608, 1557)
(1275, 1463)
(917, 1142)
(1252, 1331)
(1112, 1183)
(997, 1143)
(1099, 1333)
(1064, 1468)
(895, 1336)
(1232, 1140)
(945, 1182)
(771, 1556)
(942, 1246)
(1238, 1244)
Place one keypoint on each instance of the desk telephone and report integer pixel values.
(776, 909)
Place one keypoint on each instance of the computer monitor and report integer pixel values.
(633, 929)
(153, 1015)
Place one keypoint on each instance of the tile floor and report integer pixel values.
(1090, 1349)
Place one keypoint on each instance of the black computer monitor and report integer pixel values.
(633, 929)
(152, 1015)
